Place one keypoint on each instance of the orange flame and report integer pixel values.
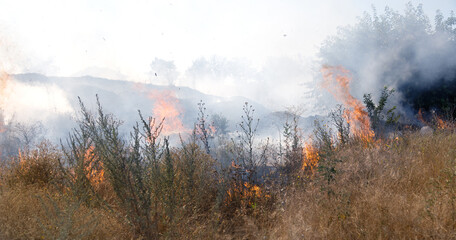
(234, 165)
(336, 81)
(166, 106)
(21, 159)
(245, 193)
(420, 116)
(442, 124)
(311, 157)
(210, 130)
(95, 171)
(438, 122)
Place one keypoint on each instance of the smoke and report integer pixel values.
(22, 130)
(403, 51)
(163, 72)
(278, 83)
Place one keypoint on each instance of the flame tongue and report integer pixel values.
(336, 81)
(311, 157)
(95, 171)
(436, 121)
(166, 107)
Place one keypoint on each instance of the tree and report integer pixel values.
(292, 144)
(247, 137)
(164, 70)
(202, 127)
(378, 115)
(220, 123)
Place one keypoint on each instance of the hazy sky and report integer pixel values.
(120, 39)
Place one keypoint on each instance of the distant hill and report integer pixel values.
(125, 98)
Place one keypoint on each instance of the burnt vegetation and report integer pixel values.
(389, 182)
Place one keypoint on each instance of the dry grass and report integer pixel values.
(31, 213)
(401, 189)
(33, 205)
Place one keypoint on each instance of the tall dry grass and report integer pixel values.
(400, 189)
(397, 189)
(31, 213)
(34, 203)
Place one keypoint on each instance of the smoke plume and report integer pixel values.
(403, 51)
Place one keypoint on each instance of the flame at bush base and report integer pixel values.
(94, 169)
(336, 80)
(310, 157)
(437, 121)
(246, 194)
(242, 192)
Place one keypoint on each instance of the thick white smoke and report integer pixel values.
(404, 51)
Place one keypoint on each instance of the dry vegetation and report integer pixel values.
(373, 179)
(403, 189)
(397, 188)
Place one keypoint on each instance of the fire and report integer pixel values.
(212, 129)
(94, 169)
(336, 81)
(21, 159)
(166, 106)
(245, 193)
(311, 157)
(438, 122)
(441, 124)
(420, 116)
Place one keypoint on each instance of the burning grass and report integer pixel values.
(400, 188)
(403, 189)
(310, 159)
(100, 187)
(337, 81)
